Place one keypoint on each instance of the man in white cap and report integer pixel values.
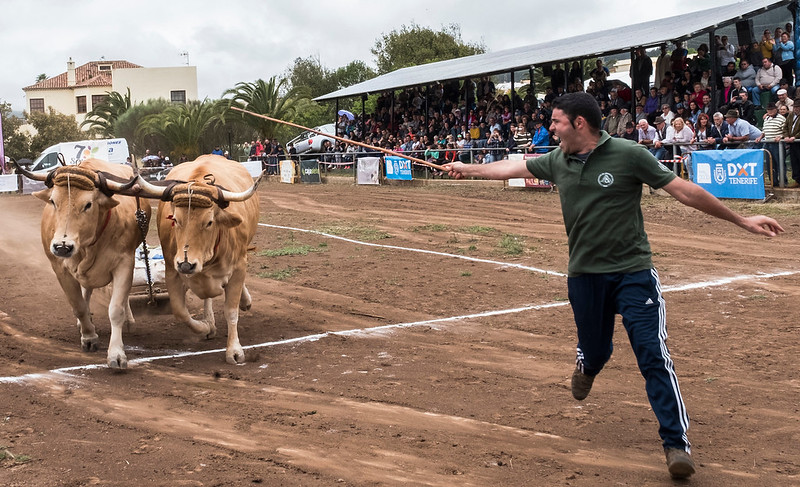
(784, 100)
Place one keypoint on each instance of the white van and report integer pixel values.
(111, 150)
(311, 142)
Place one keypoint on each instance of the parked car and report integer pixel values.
(311, 142)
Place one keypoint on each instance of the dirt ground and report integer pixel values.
(471, 388)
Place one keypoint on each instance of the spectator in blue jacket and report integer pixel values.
(784, 57)
(540, 136)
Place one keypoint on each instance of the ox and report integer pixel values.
(207, 217)
(90, 237)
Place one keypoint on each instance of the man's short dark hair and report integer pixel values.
(580, 104)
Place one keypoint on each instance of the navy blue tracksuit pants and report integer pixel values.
(595, 300)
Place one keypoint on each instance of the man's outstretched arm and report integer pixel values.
(693, 195)
(504, 169)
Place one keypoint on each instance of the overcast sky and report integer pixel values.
(243, 40)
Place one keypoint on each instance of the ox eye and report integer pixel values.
(208, 225)
(88, 205)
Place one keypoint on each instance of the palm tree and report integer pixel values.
(183, 126)
(266, 98)
(105, 114)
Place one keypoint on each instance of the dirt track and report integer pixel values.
(475, 401)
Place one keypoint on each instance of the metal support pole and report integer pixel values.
(781, 164)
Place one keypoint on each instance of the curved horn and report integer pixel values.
(30, 175)
(149, 190)
(229, 196)
(110, 184)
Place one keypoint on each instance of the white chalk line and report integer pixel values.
(378, 329)
(422, 251)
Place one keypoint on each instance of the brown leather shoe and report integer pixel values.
(679, 463)
(793, 184)
(581, 384)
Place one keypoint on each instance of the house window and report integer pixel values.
(81, 103)
(104, 67)
(178, 96)
(37, 105)
(98, 99)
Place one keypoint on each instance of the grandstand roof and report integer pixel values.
(611, 41)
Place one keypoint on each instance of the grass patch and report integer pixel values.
(291, 249)
(757, 297)
(512, 244)
(466, 274)
(5, 454)
(432, 227)
(774, 210)
(478, 230)
(472, 248)
(355, 232)
(279, 275)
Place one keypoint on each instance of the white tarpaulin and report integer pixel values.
(8, 182)
(369, 170)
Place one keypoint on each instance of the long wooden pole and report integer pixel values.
(346, 141)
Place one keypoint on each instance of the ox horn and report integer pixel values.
(34, 176)
(150, 190)
(229, 196)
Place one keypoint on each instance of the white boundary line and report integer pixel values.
(377, 329)
(422, 251)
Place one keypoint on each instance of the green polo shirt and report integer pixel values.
(601, 203)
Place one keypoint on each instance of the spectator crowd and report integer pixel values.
(684, 110)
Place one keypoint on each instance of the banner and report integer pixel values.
(397, 168)
(2, 149)
(731, 173)
(8, 182)
(253, 167)
(527, 182)
(287, 171)
(309, 172)
(369, 170)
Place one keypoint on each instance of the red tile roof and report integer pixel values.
(88, 74)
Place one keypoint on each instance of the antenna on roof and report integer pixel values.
(185, 54)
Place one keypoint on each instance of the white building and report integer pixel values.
(78, 90)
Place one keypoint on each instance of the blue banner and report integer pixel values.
(732, 173)
(397, 168)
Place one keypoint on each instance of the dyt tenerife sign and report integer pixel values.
(732, 173)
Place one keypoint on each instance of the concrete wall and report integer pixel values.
(149, 83)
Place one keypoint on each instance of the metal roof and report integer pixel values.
(611, 41)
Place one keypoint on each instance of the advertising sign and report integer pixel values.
(732, 173)
(369, 170)
(287, 171)
(397, 168)
(309, 172)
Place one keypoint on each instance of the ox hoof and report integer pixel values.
(212, 333)
(120, 362)
(245, 306)
(89, 344)
(235, 357)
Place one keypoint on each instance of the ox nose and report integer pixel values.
(63, 249)
(186, 267)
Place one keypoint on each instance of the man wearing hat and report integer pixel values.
(784, 100)
(740, 131)
(660, 152)
(540, 136)
(773, 132)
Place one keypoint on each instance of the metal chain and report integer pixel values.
(141, 219)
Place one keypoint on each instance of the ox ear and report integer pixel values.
(106, 202)
(227, 219)
(43, 194)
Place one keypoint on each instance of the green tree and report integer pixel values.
(184, 127)
(414, 45)
(103, 116)
(41, 77)
(271, 98)
(17, 145)
(52, 128)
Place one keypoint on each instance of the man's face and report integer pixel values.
(744, 65)
(737, 84)
(766, 63)
(561, 127)
(718, 119)
(731, 120)
(706, 99)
